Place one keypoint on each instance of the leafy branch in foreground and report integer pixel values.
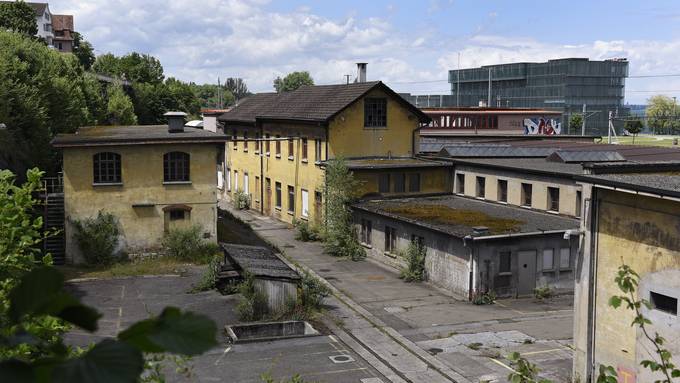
(41, 292)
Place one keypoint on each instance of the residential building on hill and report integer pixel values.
(631, 217)
(280, 143)
(62, 27)
(151, 178)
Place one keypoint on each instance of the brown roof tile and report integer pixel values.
(62, 22)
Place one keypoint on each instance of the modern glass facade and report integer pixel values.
(563, 84)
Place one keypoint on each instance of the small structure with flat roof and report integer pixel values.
(472, 246)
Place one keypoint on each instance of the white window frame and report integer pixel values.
(305, 202)
(246, 187)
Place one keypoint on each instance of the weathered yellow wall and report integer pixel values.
(349, 137)
(432, 180)
(641, 232)
(142, 175)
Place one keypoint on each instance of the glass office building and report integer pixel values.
(563, 84)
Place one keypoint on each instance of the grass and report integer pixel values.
(449, 216)
(155, 266)
(647, 140)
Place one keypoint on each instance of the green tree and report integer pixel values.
(633, 126)
(184, 98)
(339, 235)
(237, 87)
(292, 81)
(83, 50)
(575, 123)
(17, 16)
(120, 110)
(107, 64)
(663, 115)
(135, 67)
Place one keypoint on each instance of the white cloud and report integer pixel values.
(199, 41)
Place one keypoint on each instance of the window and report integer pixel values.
(366, 230)
(526, 195)
(267, 143)
(664, 303)
(235, 180)
(176, 215)
(245, 141)
(578, 203)
(304, 150)
(278, 195)
(481, 187)
(234, 137)
(106, 167)
(176, 167)
(503, 190)
(257, 188)
(375, 112)
(565, 258)
(384, 183)
(390, 239)
(317, 150)
(246, 184)
(399, 183)
(414, 182)
(553, 199)
(228, 179)
(548, 259)
(505, 258)
(305, 202)
(278, 145)
(291, 199)
(291, 149)
(460, 183)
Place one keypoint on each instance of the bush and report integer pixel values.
(312, 291)
(209, 279)
(305, 231)
(187, 245)
(98, 239)
(544, 292)
(487, 298)
(241, 200)
(253, 303)
(415, 263)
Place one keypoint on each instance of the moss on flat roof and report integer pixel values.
(448, 216)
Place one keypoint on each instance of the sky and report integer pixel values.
(410, 45)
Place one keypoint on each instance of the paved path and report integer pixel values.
(417, 332)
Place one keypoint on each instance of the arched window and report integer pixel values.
(106, 166)
(176, 167)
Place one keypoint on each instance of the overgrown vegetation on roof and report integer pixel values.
(448, 216)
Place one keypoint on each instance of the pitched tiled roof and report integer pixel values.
(317, 103)
(62, 22)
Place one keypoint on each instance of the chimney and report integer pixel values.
(175, 121)
(361, 72)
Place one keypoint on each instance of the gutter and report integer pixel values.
(570, 232)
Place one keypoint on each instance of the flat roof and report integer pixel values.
(135, 135)
(259, 261)
(393, 163)
(530, 165)
(458, 216)
(661, 183)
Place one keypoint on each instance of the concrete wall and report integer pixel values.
(142, 176)
(447, 259)
(567, 187)
(641, 232)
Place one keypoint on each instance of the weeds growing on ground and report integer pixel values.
(306, 232)
(542, 293)
(415, 263)
(487, 298)
(209, 278)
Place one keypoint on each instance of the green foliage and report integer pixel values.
(209, 278)
(135, 67)
(98, 238)
(312, 292)
(40, 293)
(18, 16)
(42, 93)
(663, 114)
(524, 371)
(267, 378)
(306, 232)
(634, 126)
(241, 200)
(237, 87)
(83, 50)
(119, 109)
(187, 245)
(154, 365)
(575, 123)
(253, 303)
(544, 292)
(339, 233)
(292, 81)
(415, 263)
(487, 298)
(207, 95)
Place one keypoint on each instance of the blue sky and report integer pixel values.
(408, 44)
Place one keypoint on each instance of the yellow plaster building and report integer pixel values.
(631, 219)
(280, 142)
(152, 178)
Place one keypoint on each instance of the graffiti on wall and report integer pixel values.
(542, 126)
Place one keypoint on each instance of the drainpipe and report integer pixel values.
(592, 284)
(325, 185)
(471, 277)
(261, 151)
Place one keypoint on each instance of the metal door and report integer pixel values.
(526, 265)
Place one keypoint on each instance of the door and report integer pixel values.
(267, 196)
(526, 264)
